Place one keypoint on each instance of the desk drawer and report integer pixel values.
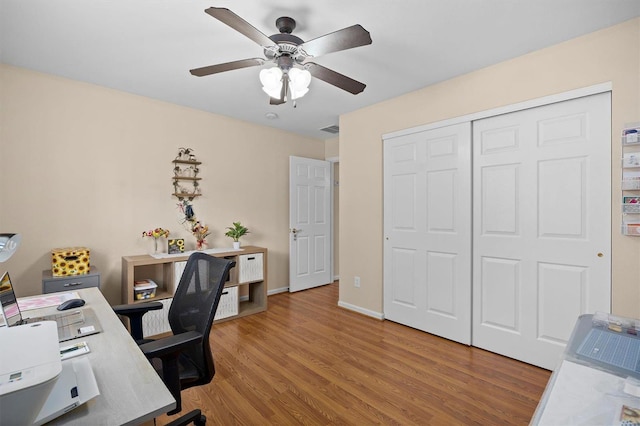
(69, 283)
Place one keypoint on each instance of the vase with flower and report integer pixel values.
(200, 231)
(156, 234)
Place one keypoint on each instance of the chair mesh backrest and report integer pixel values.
(195, 302)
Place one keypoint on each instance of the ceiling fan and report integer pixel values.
(291, 76)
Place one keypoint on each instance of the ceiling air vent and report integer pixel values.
(331, 129)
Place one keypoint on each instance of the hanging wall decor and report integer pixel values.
(186, 187)
(631, 180)
(186, 183)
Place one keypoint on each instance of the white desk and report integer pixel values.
(131, 392)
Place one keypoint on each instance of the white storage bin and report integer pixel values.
(250, 268)
(228, 306)
(631, 208)
(157, 322)
(178, 269)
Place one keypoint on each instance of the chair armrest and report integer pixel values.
(170, 345)
(136, 308)
(168, 349)
(134, 312)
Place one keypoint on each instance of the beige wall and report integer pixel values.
(83, 165)
(611, 55)
(331, 147)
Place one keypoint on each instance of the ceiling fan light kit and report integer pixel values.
(271, 79)
(299, 82)
(291, 76)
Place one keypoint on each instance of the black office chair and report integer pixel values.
(184, 359)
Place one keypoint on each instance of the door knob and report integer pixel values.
(295, 231)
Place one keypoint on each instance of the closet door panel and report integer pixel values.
(427, 227)
(542, 226)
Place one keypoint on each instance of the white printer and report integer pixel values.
(29, 366)
(35, 385)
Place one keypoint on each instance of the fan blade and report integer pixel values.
(237, 23)
(346, 38)
(335, 78)
(228, 66)
(283, 93)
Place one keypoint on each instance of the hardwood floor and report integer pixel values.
(307, 361)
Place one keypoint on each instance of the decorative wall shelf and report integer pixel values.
(197, 163)
(185, 175)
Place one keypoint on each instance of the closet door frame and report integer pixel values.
(470, 118)
(533, 103)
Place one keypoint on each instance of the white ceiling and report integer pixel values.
(147, 47)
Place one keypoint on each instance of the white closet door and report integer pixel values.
(542, 225)
(427, 228)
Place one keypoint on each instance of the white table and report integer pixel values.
(131, 392)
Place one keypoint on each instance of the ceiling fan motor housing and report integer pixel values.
(287, 45)
(285, 25)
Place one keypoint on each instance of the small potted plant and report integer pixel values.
(235, 232)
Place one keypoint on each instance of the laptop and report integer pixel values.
(72, 324)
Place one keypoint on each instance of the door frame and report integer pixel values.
(334, 241)
(330, 219)
(333, 161)
(533, 103)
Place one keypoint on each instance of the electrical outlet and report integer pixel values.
(356, 282)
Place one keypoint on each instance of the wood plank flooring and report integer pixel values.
(306, 361)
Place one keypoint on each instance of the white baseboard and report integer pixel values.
(277, 290)
(358, 309)
(336, 278)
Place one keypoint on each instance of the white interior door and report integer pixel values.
(309, 223)
(542, 225)
(427, 228)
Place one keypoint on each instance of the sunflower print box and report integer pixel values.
(70, 261)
